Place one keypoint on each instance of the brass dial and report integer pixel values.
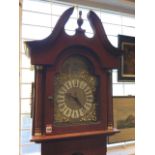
(75, 94)
(75, 99)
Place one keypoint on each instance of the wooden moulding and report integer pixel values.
(74, 135)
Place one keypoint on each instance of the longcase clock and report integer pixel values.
(73, 112)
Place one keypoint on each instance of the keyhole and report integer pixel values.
(77, 153)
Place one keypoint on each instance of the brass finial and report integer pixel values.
(80, 22)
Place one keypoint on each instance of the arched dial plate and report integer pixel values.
(75, 94)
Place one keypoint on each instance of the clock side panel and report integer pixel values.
(49, 101)
(38, 104)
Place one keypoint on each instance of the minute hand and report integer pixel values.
(77, 101)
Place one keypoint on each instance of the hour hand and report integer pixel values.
(77, 101)
(69, 95)
(74, 98)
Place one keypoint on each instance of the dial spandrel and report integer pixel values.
(75, 92)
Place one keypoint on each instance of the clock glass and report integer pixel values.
(75, 92)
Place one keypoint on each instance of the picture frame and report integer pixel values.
(126, 72)
(124, 119)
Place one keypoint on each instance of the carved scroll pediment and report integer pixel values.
(59, 40)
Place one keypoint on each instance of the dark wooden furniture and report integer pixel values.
(48, 56)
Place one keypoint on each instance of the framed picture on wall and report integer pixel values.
(126, 71)
(124, 119)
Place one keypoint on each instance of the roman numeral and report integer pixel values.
(82, 85)
(62, 90)
(62, 107)
(87, 90)
(87, 106)
(75, 83)
(75, 114)
(89, 98)
(81, 112)
(61, 97)
(67, 112)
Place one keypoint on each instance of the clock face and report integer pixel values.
(75, 93)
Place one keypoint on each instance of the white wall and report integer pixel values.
(121, 149)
